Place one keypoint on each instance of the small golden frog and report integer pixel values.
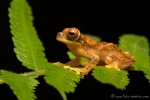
(99, 53)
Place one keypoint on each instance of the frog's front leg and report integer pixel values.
(85, 63)
(84, 71)
(75, 62)
(93, 62)
(71, 63)
(94, 59)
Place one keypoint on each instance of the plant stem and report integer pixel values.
(39, 73)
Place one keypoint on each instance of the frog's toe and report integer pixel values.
(77, 70)
(108, 66)
(58, 64)
(112, 66)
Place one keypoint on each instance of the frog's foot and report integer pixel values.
(59, 64)
(127, 53)
(113, 65)
(82, 71)
(77, 70)
(74, 69)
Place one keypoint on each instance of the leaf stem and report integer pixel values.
(26, 74)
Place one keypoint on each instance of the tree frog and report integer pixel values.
(98, 53)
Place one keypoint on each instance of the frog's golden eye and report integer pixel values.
(73, 34)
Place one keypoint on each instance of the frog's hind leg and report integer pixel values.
(118, 61)
(113, 65)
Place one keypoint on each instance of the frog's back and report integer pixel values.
(103, 49)
(86, 41)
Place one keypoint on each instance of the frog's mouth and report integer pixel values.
(60, 37)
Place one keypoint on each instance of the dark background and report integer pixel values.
(107, 19)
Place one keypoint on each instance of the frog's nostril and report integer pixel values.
(60, 34)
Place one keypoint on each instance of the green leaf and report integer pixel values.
(23, 87)
(28, 47)
(139, 48)
(71, 55)
(64, 80)
(115, 77)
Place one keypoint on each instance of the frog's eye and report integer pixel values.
(73, 34)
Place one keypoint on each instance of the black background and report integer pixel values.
(107, 19)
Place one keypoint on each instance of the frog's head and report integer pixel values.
(69, 35)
